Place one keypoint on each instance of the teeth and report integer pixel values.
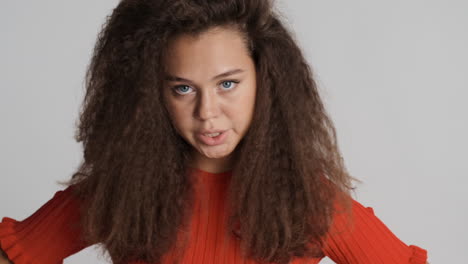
(212, 134)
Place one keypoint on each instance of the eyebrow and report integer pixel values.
(221, 75)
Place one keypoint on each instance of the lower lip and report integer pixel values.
(212, 141)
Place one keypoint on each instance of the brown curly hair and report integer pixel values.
(136, 193)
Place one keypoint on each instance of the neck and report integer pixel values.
(212, 165)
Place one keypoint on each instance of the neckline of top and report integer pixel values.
(211, 176)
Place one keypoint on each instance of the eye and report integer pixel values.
(181, 89)
(185, 89)
(229, 85)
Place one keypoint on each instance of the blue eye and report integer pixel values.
(229, 84)
(184, 89)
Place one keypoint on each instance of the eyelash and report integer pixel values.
(174, 88)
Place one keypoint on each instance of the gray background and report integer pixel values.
(393, 74)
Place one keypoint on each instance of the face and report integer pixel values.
(210, 87)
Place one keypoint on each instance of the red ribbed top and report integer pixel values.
(51, 233)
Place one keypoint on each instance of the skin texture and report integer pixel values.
(3, 257)
(135, 162)
(288, 170)
(206, 102)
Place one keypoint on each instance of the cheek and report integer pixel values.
(181, 118)
(250, 105)
(174, 112)
(242, 109)
(249, 100)
(178, 114)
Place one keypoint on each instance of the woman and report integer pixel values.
(205, 141)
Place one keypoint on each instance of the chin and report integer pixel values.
(216, 156)
(213, 154)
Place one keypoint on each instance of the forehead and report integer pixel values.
(214, 50)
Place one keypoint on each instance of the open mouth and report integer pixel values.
(213, 138)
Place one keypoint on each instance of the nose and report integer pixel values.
(208, 106)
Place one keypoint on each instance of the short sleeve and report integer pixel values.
(49, 235)
(365, 239)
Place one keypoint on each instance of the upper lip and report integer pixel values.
(211, 131)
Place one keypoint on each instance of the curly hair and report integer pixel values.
(133, 182)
